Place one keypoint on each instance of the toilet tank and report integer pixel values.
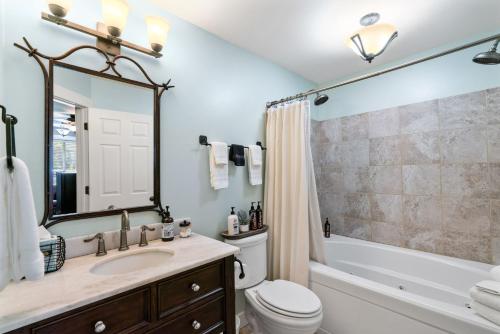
(253, 255)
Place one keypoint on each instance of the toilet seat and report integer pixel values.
(288, 299)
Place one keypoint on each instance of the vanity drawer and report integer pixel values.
(124, 313)
(209, 316)
(187, 289)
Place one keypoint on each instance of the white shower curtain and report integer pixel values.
(290, 199)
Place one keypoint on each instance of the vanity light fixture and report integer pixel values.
(114, 13)
(158, 29)
(371, 40)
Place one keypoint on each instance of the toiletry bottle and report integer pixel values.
(327, 229)
(253, 217)
(185, 229)
(233, 225)
(258, 215)
(167, 230)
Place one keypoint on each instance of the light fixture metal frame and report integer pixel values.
(105, 42)
(356, 39)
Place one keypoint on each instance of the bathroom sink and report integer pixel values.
(133, 261)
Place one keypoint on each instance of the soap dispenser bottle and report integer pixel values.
(233, 225)
(253, 217)
(167, 230)
(259, 217)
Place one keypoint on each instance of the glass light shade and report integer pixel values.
(59, 8)
(158, 29)
(375, 39)
(114, 14)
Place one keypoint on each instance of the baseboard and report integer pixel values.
(322, 331)
(243, 319)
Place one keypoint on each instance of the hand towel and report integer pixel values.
(219, 178)
(486, 312)
(491, 287)
(495, 273)
(237, 155)
(485, 298)
(24, 255)
(220, 152)
(255, 164)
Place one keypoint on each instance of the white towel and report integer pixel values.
(24, 258)
(486, 312)
(219, 177)
(254, 165)
(220, 152)
(491, 287)
(485, 298)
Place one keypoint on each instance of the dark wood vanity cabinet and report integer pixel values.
(200, 300)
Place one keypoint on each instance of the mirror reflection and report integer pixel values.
(102, 144)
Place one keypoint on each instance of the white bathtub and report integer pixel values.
(371, 288)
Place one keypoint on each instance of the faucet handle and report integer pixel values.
(101, 245)
(144, 239)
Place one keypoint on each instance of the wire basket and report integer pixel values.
(54, 253)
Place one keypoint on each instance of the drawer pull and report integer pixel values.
(196, 325)
(195, 287)
(99, 327)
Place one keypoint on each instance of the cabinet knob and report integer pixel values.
(99, 327)
(196, 325)
(195, 287)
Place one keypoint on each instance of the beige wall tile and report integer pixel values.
(355, 153)
(465, 180)
(357, 206)
(385, 151)
(387, 233)
(386, 208)
(464, 145)
(493, 105)
(330, 131)
(354, 127)
(495, 218)
(463, 110)
(467, 215)
(383, 123)
(494, 143)
(423, 239)
(422, 211)
(419, 117)
(356, 179)
(332, 179)
(420, 148)
(357, 228)
(386, 179)
(422, 179)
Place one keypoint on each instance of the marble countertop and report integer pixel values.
(74, 285)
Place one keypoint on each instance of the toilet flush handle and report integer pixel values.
(242, 272)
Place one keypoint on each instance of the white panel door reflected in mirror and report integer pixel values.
(102, 155)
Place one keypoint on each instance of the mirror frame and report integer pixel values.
(110, 65)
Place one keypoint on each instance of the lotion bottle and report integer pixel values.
(327, 229)
(233, 225)
(253, 218)
(167, 230)
(259, 216)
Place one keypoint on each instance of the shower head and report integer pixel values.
(491, 57)
(320, 99)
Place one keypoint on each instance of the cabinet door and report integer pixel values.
(126, 313)
(205, 319)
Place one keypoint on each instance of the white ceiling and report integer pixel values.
(307, 36)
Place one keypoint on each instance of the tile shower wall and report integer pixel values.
(424, 176)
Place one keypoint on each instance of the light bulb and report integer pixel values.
(158, 29)
(115, 13)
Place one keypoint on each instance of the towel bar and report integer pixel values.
(203, 140)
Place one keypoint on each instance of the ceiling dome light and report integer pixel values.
(371, 40)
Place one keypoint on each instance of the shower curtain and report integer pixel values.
(290, 197)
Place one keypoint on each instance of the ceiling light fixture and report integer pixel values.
(371, 40)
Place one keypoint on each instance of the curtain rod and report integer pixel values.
(391, 69)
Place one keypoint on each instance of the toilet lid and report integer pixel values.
(289, 298)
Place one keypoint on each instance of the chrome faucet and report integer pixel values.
(123, 231)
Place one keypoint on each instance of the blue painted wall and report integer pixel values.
(221, 91)
(450, 75)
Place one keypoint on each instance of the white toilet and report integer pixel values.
(273, 307)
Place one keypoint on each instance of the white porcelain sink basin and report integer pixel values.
(131, 261)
